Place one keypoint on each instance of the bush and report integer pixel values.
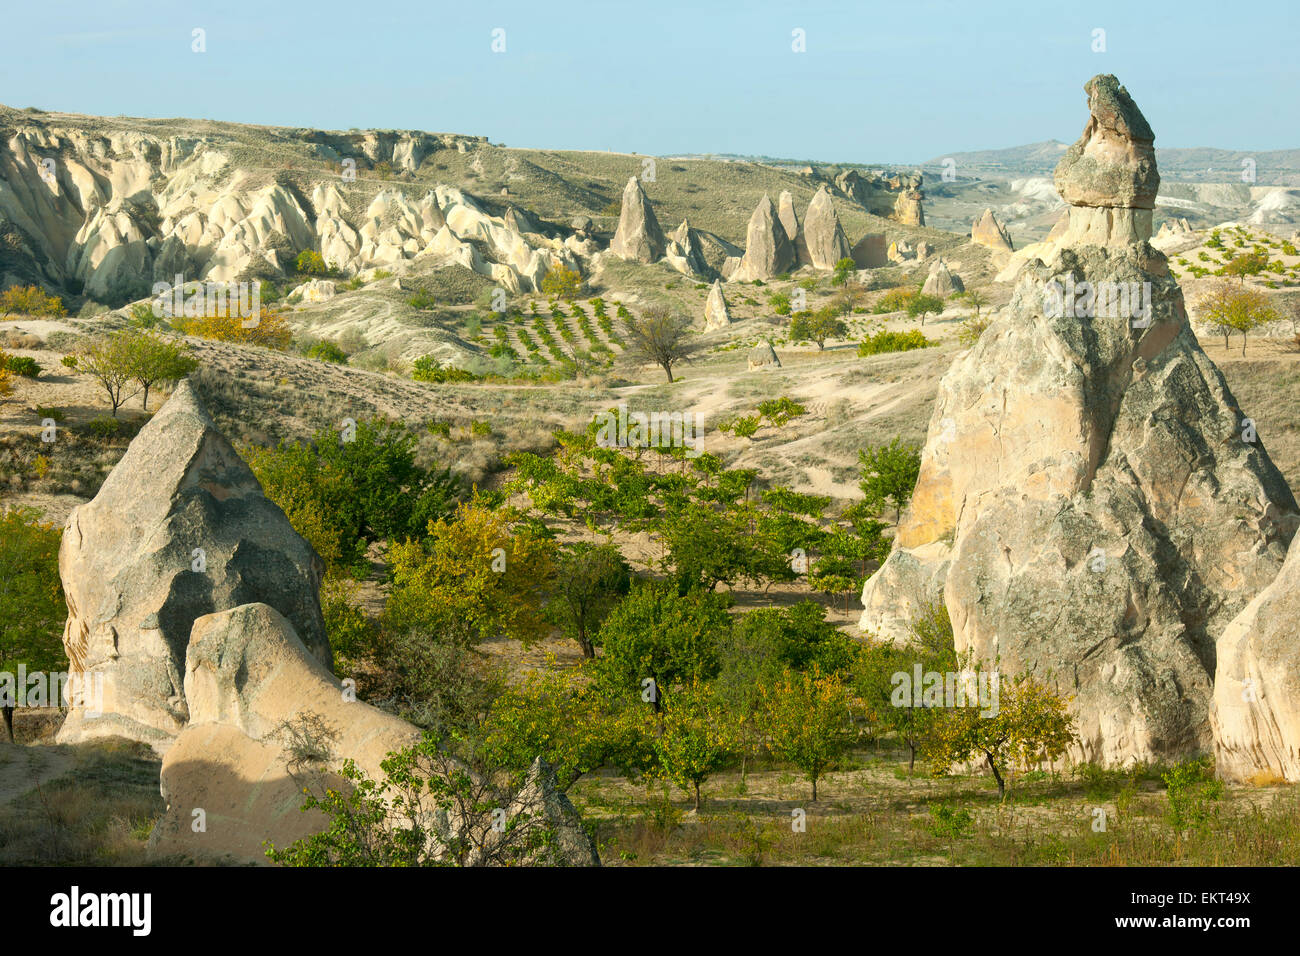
(895, 300)
(268, 330)
(24, 366)
(422, 300)
(327, 351)
(428, 369)
(30, 300)
(886, 341)
(312, 263)
(103, 426)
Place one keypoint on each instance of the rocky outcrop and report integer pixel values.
(896, 196)
(685, 252)
(638, 236)
(768, 251)
(180, 529)
(716, 314)
(112, 211)
(823, 236)
(1175, 236)
(942, 282)
(762, 357)
(1089, 500)
(1256, 713)
(988, 232)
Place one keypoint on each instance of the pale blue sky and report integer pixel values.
(880, 82)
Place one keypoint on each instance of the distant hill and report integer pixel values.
(1279, 167)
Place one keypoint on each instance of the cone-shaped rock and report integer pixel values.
(1090, 506)
(768, 251)
(942, 282)
(823, 236)
(988, 232)
(638, 236)
(716, 313)
(179, 529)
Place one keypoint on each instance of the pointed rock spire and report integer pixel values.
(638, 236)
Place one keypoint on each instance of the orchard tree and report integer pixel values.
(590, 579)
(808, 720)
(657, 639)
(1230, 310)
(698, 738)
(1032, 724)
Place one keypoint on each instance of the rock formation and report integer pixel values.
(1256, 714)
(896, 196)
(988, 232)
(180, 529)
(763, 356)
(638, 236)
(768, 251)
(1090, 506)
(1175, 236)
(923, 250)
(716, 313)
(942, 282)
(789, 221)
(685, 253)
(823, 237)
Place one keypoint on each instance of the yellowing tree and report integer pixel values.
(808, 720)
(475, 577)
(30, 300)
(1031, 725)
(1236, 309)
(562, 282)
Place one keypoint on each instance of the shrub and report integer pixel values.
(327, 351)
(312, 263)
(30, 300)
(31, 598)
(269, 330)
(895, 300)
(23, 365)
(103, 426)
(428, 369)
(886, 341)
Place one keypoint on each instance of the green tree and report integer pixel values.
(844, 271)
(817, 327)
(1230, 309)
(562, 282)
(590, 579)
(889, 474)
(32, 608)
(780, 303)
(921, 305)
(159, 359)
(1247, 264)
(112, 361)
(657, 639)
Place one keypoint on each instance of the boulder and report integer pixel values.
(923, 250)
(1113, 163)
(250, 682)
(768, 251)
(763, 356)
(716, 314)
(823, 236)
(1095, 508)
(544, 803)
(179, 529)
(638, 236)
(684, 251)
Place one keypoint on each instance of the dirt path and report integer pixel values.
(24, 767)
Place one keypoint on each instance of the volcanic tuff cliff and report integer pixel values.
(1092, 505)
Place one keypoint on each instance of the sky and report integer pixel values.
(899, 82)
